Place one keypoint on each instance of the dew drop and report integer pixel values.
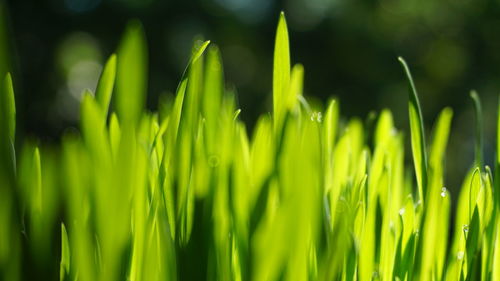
(444, 191)
(460, 255)
(316, 117)
(319, 117)
(465, 228)
(402, 211)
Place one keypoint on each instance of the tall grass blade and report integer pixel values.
(131, 84)
(281, 72)
(417, 134)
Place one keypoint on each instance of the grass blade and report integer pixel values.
(131, 73)
(65, 255)
(281, 71)
(106, 84)
(479, 129)
(8, 108)
(417, 134)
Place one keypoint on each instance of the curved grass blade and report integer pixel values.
(197, 52)
(417, 134)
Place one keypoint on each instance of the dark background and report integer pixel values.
(349, 49)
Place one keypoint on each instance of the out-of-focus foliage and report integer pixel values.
(186, 194)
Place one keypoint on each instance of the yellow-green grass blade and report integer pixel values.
(435, 224)
(281, 72)
(212, 95)
(440, 139)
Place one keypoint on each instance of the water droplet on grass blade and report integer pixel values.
(402, 211)
(460, 255)
(465, 228)
(316, 117)
(444, 191)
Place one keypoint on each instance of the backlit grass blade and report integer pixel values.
(106, 84)
(435, 225)
(212, 95)
(417, 134)
(198, 51)
(131, 84)
(281, 72)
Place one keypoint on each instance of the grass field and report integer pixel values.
(186, 193)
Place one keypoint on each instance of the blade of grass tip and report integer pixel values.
(8, 107)
(65, 256)
(479, 129)
(194, 89)
(106, 83)
(281, 71)
(131, 83)
(440, 138)
(197, 51)
(417, 134)
(37, 170)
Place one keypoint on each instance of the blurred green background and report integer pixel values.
(348, 48)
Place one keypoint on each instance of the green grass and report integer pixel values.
(186, 194)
